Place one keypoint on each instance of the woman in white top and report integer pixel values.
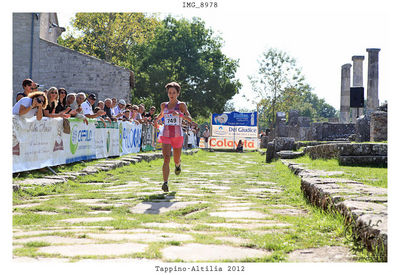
(31, 105)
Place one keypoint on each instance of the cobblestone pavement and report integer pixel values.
(223, 207)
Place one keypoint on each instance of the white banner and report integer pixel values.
(37, 144)
(234, 131)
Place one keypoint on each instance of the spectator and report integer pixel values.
(102, 117)
(135, 115)
(142, 110)
(71, 101)
(31, 105)
(126, 115)
(52, 98)
(191, 138)
(138, 117)
(62, 101)
(150, 115)
(197, 132)
(114, 106)
(206, 135)
(35, 87)
(80, 98)
(87, 107)
(108, 109)
(100, 104)
(239, 147)
(118, 110)
(28, 86)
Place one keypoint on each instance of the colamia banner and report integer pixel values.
(54, 141)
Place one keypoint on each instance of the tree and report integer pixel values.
(188, 53)
(281, 87)
(110, 36)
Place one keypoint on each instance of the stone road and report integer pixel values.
(209, 215)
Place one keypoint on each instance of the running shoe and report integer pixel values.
(165, 187)
(178, 169)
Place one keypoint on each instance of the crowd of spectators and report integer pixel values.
(57, 102)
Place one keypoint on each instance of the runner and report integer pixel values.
(172, 135)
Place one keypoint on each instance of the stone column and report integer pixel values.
(357, 82)
(345, 94)
(373, 76)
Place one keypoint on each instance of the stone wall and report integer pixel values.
(351, 153)
(63, 67)
(23, 40)
(54, 65)
(332, 131)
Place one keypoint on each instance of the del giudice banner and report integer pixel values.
(55, 141)
(234, 125)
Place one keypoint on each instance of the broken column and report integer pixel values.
(357, 82)
(345, 94)
(373, 76)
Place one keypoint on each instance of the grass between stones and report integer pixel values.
(375, 176)
(209, 183)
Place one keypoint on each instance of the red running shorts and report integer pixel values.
(176, 142)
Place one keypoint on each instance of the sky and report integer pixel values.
(320, 37)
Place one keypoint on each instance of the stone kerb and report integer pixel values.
(365, 207)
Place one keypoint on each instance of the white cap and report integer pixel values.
(121, 101)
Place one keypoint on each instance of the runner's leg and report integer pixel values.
(177, 156)
(166, 151)
(177, 160)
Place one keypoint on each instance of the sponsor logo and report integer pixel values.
(131, 137)
(228, 143)
(73, 139)
(76, 136)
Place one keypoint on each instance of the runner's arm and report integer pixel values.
(161, 115)
(184, 110)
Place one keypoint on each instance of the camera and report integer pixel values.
(38, 100)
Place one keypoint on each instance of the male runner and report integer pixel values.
(172, 135)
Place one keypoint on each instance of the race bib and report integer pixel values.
(171, 120)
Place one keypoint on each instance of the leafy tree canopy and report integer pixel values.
(280, 86)
(161, 51)
(110, 36)
(188, 53)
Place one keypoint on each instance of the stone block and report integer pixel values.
(264, 142)
(363, 160)
(293, 117)
(304, 121)
(284, 143)
(378, 126)
(270, 155)
(363, 128)
(332, 131)
(289, 154)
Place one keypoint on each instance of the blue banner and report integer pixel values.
(235, 119)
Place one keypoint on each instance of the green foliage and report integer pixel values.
(110, 36)
(188, 53)
(281, 87)
(160, 52)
